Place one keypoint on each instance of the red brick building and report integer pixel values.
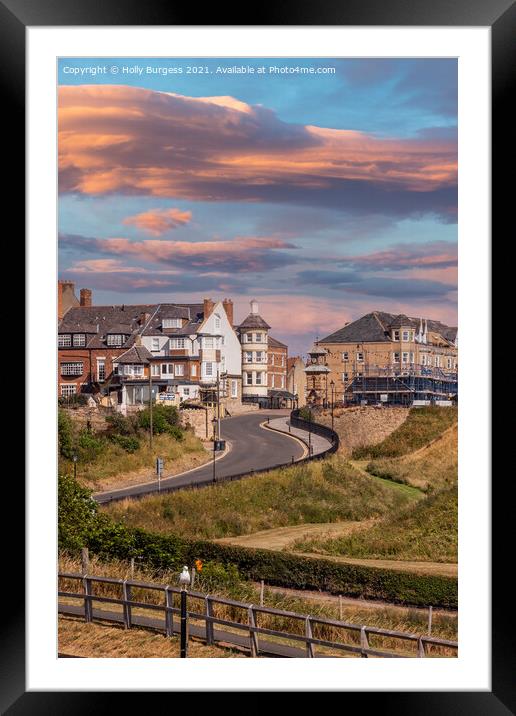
(277, 364)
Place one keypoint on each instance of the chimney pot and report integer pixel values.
(228, 307)
(207, 307)
(85, 297)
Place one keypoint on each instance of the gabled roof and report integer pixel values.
(136, 354)
(376, 326)
(254, 320)
(275, 343)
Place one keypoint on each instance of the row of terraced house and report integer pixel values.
(175, 351)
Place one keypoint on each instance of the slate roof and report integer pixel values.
(136, 354)
(275, 343)
(254, 320)
(375, 327)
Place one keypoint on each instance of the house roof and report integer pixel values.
(276, 344)
(136, 354)
(254, 320)
(375, 327)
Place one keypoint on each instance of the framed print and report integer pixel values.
(251, 251)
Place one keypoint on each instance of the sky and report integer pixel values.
(324, 188)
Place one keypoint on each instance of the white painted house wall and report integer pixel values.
(217, 325)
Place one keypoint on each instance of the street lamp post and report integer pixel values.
(184, 581)
(150, 407)
(214, 422)
(309, 432)
(75, 467)
(332, 385)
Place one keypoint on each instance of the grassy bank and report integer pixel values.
(421, 427)
(430, 469)
(426, 531)
(329, 491)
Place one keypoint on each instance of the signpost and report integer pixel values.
(159, 470)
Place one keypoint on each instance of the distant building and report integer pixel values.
(387, 358)
(67, 299)
(317, 371)
(296, 380)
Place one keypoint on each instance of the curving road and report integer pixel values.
(252, 448)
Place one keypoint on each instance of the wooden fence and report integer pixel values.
(240, 633)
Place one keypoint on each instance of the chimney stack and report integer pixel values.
(85, 295)
(65, 297)
(254, 306)
(228, 307)
(207, 307)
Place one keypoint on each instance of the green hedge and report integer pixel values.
(112, 540)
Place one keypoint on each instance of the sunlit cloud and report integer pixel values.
(159, 221)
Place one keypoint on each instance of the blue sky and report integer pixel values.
(322, 195)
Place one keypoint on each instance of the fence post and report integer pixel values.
(169, 617)
(420, 648)
(126, 593)
(253, 637)
(88, 611)
(209, 624)
(261, 592)
(429, 621)
(340, 607)
(193, 578)
(132, 567)
(308, 634)
(364, 641)
(85, 560)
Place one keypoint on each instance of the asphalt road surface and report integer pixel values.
(252, 448)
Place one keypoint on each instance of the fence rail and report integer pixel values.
(249, 626)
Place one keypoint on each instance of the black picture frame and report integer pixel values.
(500, 16)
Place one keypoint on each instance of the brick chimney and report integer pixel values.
(65, 297)
(85, 297)
(228, 307)
(208, 305)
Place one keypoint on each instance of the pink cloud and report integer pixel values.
(158, 221)
(136, 141)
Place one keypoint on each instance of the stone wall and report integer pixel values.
(87, 415)
(199, 419)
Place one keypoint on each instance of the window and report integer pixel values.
(101, 371)
(258, 337)
(345, 356)
(208, 370)
(155, 369)
(177, 342)
(248, 357)
(395, 357)
(208, 342)
(155, 344)
(234, 389)
(138, 369)
(259, 378)
(186, 392)
(68, 389)
(360, 357)
(217, 322)
(193, 370)
(171, 323)
(411, 357)
(423, 358)
(64, 340)
(72, 368)
(438, 361)
(248, 378)
(115, 339)
(405, 357)
(282, 361)
(223, 340)
(282, 381)
(259, 356)
(448, 362)
(344, 377)
(167, 369)
(395, 335)
(179, 369)
(79, 339)
(272, 358)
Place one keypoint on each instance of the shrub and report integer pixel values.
(128, 442)
(77, 514)
(89, 446)
(65, 435)
(121, 425)
(165, 419)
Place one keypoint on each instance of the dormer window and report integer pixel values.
(64, 340)
(405, 336)
(171, 323)
(79, 339)
(116, 340)
(395, 335)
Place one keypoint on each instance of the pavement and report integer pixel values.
(253, 448)
(317, 443)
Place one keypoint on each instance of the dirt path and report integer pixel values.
(280, 537)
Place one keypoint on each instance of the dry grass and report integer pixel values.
(117, 468)
(94, 641)
(384, 616)
(431, 468)
(318, 492)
